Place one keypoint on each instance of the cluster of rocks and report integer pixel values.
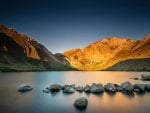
(143, 77)
(99, 88)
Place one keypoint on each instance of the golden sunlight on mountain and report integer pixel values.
(105, 53)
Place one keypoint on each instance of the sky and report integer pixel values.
(61, 25)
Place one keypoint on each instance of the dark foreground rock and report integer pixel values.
(139, 87)
(147, 87)
(96, 88)
(127, 86)
(24, 88)
(110, 87)
(81, 103)
(145, 77)
(55, 88)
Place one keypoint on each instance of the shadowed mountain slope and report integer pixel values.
(22, 53)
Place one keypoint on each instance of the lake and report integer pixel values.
(35, 101)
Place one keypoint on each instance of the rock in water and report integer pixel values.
(135, 78)
(46, 90)
(147, 87)
(65, 86)
(87, 88)
(127, 86)
(24, 88)
(118, 87)
(80, 89)
(145, 77)
(96, 88)
(55, 88)
(110, 87)
(140, 87)
(81, 103)
(69, 90)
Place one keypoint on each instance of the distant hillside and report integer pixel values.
(131, 65)
(105, 53)
(19, 52)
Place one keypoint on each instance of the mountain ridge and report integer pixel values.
(22, 48)
(107, 52)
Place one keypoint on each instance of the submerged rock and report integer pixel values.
(46, 90)
(55, 88)
(135, 78)
(140, 87)
(145, 77)
(81, 103)
(110, 87)
(24, 88)
(69, 90)
(96, 88)
(127, 86)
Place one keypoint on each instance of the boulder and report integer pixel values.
(80, 89)
(24, 88)
(81, 103)
(96, 88)
(140, 87)
(145, 77)
(69, 90)
(87, 88)
(110, 87)
(147, 87)
(118, 87)
(127, 86)
(65, 86)
(55, 88)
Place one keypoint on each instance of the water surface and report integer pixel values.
(12, 101)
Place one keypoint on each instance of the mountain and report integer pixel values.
(108, 52)
(19, 52)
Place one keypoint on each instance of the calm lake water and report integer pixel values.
(35, 101)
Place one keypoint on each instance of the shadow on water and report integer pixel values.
(128, 94)
(54, 93)
(111, 93)
(80, 110)
(87, 93)
(97, 94)
(140, 93)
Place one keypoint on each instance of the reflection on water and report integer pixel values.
(36, 101)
